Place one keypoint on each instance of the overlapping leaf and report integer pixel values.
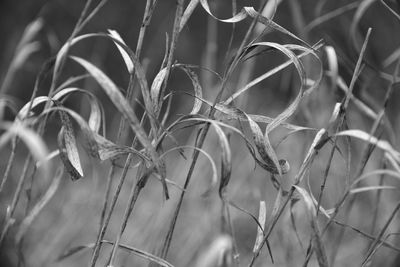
(160, 78)
(123, 106)
(68, 149)
(252, 13)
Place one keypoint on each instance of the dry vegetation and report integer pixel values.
(224, 133)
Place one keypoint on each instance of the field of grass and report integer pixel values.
(200, 133)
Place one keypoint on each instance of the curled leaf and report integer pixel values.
(266, 151)
(69, 154)
(159, 79)
(124, 54)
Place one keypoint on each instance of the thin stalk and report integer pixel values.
(368, 148)
(378, 200)
(41, 127)
(271, 227)
(44, 69)
(9, 165)
(377, 240)
(327, 169)
(203, 135)
(17, 194)
(104, 221)
(175, 35)
(343, 109)
(141, 179)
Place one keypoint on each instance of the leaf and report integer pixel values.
(380, 172)
(123, 106)
(231, 112)
(384, 145)
(266, 151)
(138, 68)
(95, 116)
(262, 216)
(96, 109)
(98, 146)
(32, 140)
(24, 111)
(124, 54)
(10, 102)
(332, 64)
(68, 143)
(371, 188)
(250, 12)
(198, 91)
(226, 160)
(159, 79)
(214, 177)
(270, 73)
(109, 150)
(73, 171)
(188, 12)
(118, 100)
(283, 163)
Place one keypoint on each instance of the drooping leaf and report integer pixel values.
(71, 150)
(226, 160)
(123, 106)
(66, 155)
(265, 149)
(124, 54)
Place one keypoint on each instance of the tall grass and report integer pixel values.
(162, 176)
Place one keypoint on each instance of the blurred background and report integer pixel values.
(71, 218)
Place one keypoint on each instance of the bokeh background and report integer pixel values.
(72, 217)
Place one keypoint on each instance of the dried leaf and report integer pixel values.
(262, 216)
(123, 106)
(65, 154)
(266, 151)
